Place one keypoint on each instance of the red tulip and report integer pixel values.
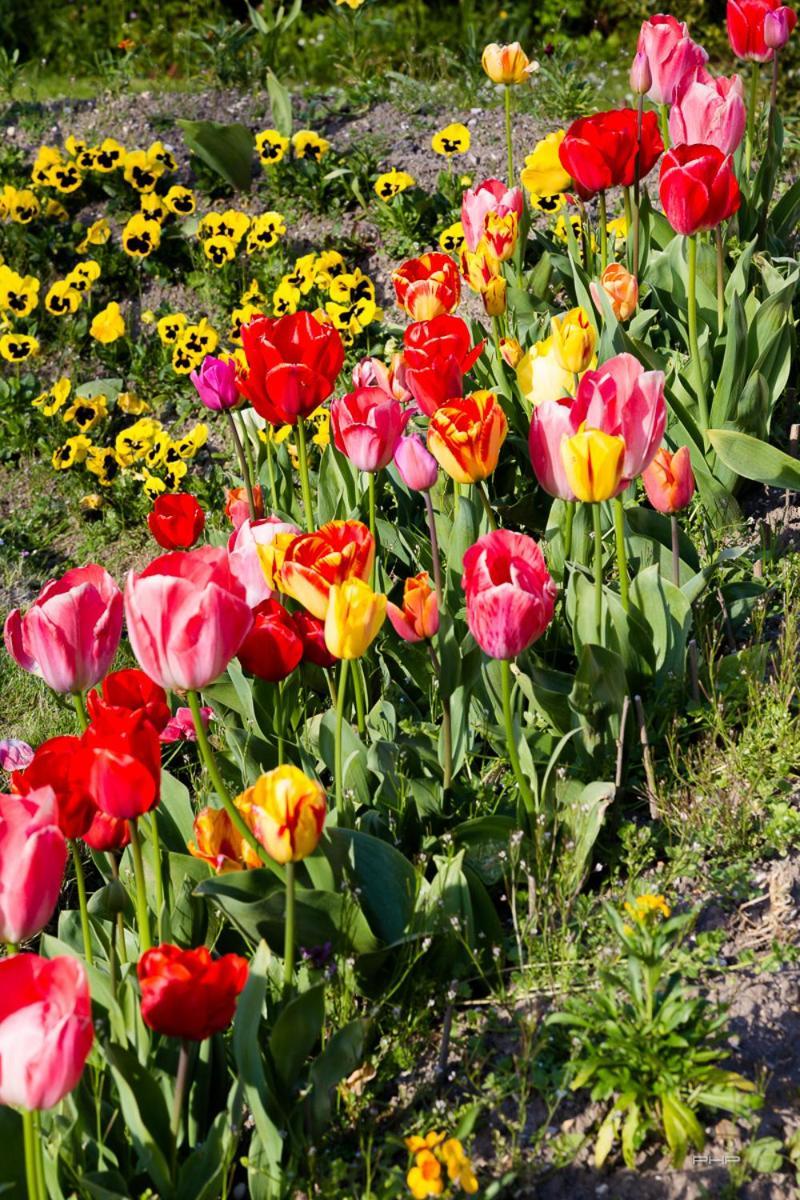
(293, 362)
(418, 618)
(746, 27)
(46, 1029)
(669, 480)
(70, 633)
(312, 633)
(427, 286)
(367, 425)
(176, 521)
(697, 187)
(187, 616)
(510, 593)
(273, 647)
(237, 508)
(187, 993)
(437, 355)
(478, 203)
(33, 854)
(56, 765)
(244, 558)
(130, 691)
(121, 758)
(672, 56)
(107, 833)
(599, 152)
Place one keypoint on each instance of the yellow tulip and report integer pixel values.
(593, 464)
(543, 174)
(506, 64)
(286, 812)
(355, 614)
(541, 376)
(573, 340)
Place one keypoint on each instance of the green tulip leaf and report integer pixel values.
(753, 459)
(226, 149)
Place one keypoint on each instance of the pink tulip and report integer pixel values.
(15, 755)
(243, 555)
(549, 424)
(778, 26)
(33, 854)
(181, 727)
(46, 1029)
(671, 55)
(418, 468)
(669, 480)
(70, 633)
(623, 400)
(187, 616)
(372, 373)
(510, 593)
(367, 425)
(491, 196)
(709, 111)
(216, 384)
(641, 78)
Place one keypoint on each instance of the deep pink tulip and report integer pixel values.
(510, 593)
(46, 1029)
(624, 400)
(709, 111)
(187, 616)
(367, 425)
(181, 727)
(33, 854)
(671, 55)
(549, 424)
(70, 633)
(243, 555)
(778, 26)
(418, 468)
(491, 196)
(216, 384)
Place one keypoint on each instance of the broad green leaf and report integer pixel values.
(144, 1112)
(280, 103)
(387, 880)
(342, 1054)
(754, 459)
(296, 1031)
(226, 149)
(250, 1064)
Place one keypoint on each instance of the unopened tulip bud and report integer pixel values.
(574, 340)
(778, 26)
(620, 287)
(593, 463)
(641, 75)
(506, 64)
(511, 351)
(417, 466)
(669, 480)
(354, 617)
(494, 297)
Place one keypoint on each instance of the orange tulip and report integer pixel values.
(220, 844)
(465, 436)
(620, 287)
(418, 617)
(314, 562)
(286, 812)
(669, 480)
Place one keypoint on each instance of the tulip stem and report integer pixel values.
(598, 570)
(720, 279)
(663, 110)
(636, 188)
(80, 883)
(239, 448)
(522, 783)
(358, 696)
(372, 525)
(30, 1164)
(207, 755)
(436, 563)
(80, 710)
(288, 933)
(343, 818)
(568, 523)
(676, 551)
(38, 1158)
(509, 141)
(142, 914)
(487, 507)
(271, 473)
(622, 557)
(603, 221)
(278, 721)
(750, 137)
(248, 452)
(302, 454)
(159, 880)
(694, 348)
(181, 1079)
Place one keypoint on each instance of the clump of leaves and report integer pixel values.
(648, 1046)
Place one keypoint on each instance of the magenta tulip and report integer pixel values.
(46, 1029)
(367, 425)
(243, 555)
(418, 468)
(623, 400)
(15, 755)
(671, 55)
(709, 111)
(510, 593)
(70, 633)
(181, 727)
(33, 854)
(549, 424)
(216, 384)
(187, 616)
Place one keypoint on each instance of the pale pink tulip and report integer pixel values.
(709, 111)
(33, 854)
(550, 423)
(623, 400)
(70, 633)
(418, 468)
